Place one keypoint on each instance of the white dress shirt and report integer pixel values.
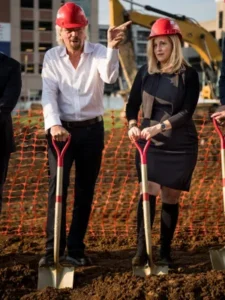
(71, 94)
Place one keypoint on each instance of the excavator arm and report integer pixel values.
(195, 35)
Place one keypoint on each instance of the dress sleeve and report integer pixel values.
(190, 100)
(135, 97)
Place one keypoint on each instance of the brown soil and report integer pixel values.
(111, 277)
(111, 236)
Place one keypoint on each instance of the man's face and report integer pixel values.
(74, 38)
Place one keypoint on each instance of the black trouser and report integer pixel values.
(4, 162)
(85, 149)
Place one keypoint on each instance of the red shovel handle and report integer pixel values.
(143, 153)
(60, 155)
(221, 135)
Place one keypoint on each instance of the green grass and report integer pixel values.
(110, 117)
(26, 120)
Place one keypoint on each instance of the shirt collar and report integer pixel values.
(88, 48)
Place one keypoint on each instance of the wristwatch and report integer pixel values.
(163, 127)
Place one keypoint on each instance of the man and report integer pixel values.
(10, 88)
(73, 82)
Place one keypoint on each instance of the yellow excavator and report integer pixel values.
(196, 36)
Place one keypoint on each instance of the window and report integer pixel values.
(27, 25)
(29, 68)
(220, 42)
(27, 3)
(142, 48)
(220, 19)
(44, 47)
(142, 35)
(103, 34)
(45, 4)
(141, 60)
(45, 26)
(40, 68)
(104, 44)
(27, 47)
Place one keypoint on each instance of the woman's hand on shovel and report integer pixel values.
(134, 133)
(150, 132)
(219, 117)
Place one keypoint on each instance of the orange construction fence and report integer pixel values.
(117, 188)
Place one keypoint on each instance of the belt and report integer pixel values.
(71, 124)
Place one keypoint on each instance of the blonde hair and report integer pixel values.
(174, 63)
(59, 39)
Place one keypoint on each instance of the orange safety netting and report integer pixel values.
(117, 188)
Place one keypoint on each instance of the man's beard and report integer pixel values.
(76, 46)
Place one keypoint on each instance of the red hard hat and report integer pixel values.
(71, 15)
(164, 26)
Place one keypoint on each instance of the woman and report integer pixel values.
(168, 90)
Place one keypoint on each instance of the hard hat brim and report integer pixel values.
(166, 34)
(69, 26)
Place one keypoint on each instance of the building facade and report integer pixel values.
(27, 31)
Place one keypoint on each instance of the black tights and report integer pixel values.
(169, 217)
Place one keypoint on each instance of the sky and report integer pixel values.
(201, 10)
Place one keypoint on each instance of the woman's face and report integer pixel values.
(162, 47)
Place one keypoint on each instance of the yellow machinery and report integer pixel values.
(195, 35)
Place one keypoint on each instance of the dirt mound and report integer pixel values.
(110, 276)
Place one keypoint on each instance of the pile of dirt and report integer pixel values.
(110, 276)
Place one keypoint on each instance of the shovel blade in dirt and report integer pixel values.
(217, 257)
(145, 271)
(60, 277)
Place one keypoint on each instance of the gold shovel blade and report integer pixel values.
(57, 277)
(145, 271)
(217, 257)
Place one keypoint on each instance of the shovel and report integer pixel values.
(150, 268)
(217, 255)
(57, 276)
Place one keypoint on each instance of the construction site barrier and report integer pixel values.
(117, 189)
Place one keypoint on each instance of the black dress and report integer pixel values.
(172, 155)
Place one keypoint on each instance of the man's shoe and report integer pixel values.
(78, 261)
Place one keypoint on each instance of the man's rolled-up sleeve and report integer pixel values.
(108, 64)
(49, 94)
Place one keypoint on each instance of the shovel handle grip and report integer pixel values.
(143, 153)
(60, 154)
(221, 135)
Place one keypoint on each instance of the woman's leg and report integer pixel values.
(169, 217)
